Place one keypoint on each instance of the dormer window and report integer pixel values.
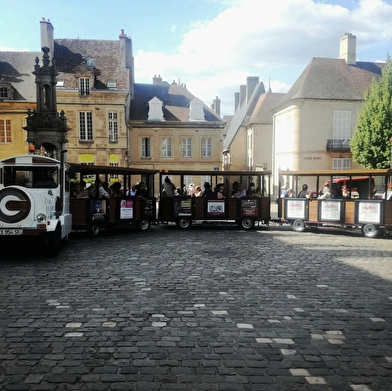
(155, 112)
(111, 84)
(6, 91)
(196, 111)
(84, 86)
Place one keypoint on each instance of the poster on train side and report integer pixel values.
(182, 207)
(369, 212)
(215, 208)
(249, 208)
(126, 209)
(295, 208)
(331, 210)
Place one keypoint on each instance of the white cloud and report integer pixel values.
(271, 40)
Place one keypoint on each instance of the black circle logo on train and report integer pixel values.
(15, 205)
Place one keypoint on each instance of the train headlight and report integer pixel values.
(41, 218)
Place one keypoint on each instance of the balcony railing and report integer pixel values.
(338, 145)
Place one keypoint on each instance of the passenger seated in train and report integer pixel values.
(116, 190)
(208, 193)
(220, 192)
(304, 192)
(241, 193)
(141, 191)
(198, 191)
(325, 193)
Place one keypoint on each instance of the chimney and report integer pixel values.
(242, 94)
(251, 83)
(157, 80)
(236, 100)
(126, 59)
(216, 105)
(348, 49)
(47, 39)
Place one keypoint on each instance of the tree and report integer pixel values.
(371, 141)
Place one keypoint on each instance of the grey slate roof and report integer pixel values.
(71, 53)
(262, 113)
(175, 98)
(17, 68)
(327, 78)
(242, 115)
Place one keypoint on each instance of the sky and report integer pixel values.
(211, 46)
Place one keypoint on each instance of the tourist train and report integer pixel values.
(47, 199)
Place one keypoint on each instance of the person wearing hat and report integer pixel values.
(325, 193)
(283, 192)
(191, 189)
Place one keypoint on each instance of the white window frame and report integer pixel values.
(206, 147)
(186, 147)
(112, 126)
(84, 86)
(145, 147)
(6, 130)
(167, 147)
(341, 163)
(342, 129)
(86, 126)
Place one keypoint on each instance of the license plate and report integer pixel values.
(6, 232)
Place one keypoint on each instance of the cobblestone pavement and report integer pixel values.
(202, 309)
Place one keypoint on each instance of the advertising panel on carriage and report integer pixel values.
(182, 207)
(249, 208)
(216, 208)
(331, 211)
(369, 212)
(295, 208)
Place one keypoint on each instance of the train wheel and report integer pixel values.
(143, 225)
(94, 230)
(54, 243)
(184, 223)
(247, 223)
(370, 231)
(298, 225)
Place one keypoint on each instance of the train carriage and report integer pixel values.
(94, 213)
(185, 210)
(358, 200)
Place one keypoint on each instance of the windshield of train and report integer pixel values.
(31, 177)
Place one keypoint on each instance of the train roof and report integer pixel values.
(93, 169)
(340, 173)
(214, 172)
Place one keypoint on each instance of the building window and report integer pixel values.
(84, 86)
(113, 162)
(166, 147)
(113, 127)
(186, 147)
(341, 125)
(90, 62)
(3, 92)
(145, 147)
(206, 149)
(5, 131)
(111, 84)
(60, 83)
(341, 164)
(85, 126)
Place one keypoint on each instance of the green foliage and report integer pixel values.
(370, 144)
